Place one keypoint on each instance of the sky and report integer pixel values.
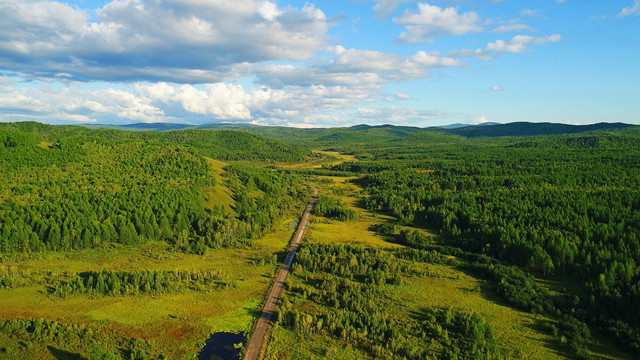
(323, 63)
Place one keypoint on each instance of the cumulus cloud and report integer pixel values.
(431, 20)
(496, 88)
(355, 68)
(315, 105)
(517, 44)
(631, 10)
(389, 66)
(75, 105)
(481, 120)
(152, 39)
(261, 104)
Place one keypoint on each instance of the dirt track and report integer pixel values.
(258, 336)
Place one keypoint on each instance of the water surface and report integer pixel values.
(220, 346)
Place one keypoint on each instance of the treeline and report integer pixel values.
(347, 286)
(89, 192)
(333, 208)
(123, 283)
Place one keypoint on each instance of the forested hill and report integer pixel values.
(217, 144)
(365, 134)
(61, 192)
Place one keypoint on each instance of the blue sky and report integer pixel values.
(320, 63)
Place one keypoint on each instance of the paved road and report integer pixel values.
(263, 323)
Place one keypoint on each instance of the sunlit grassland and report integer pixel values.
(289, 344)
(520, 335)
(319, 160)
(327, 231)
(322, 159)
(219, 194)
(175, 324)
(45, 145)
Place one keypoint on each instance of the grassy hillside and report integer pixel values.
(219, 195)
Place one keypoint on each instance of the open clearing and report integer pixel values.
(219, 194)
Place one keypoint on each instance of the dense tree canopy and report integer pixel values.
(90, 191)
(549, 205)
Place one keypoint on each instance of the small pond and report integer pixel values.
(220, 346)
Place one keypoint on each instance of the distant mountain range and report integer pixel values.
(459, 125)
(385, 131)
(532, 129)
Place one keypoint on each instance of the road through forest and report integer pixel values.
(258, 336)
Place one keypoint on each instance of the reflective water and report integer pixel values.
(222, 346)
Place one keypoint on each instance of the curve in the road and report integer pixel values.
(262, 325)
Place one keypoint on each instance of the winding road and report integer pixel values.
(257, 340)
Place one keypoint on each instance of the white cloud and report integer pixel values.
(4, 80)
(631, 10)
(75, 105)
(481, 120)
(388, 66)
(529, 12)
(511, 27)
(355, 68)
(496, 88)
(431, 20)
(517, 44)
(49, 118)
(155, 39)
(313, 105)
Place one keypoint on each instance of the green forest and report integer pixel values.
(541, 222)
(91, 191)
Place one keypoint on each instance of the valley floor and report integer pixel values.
(176, 325)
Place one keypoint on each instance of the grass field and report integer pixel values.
(175, 324)
(323, 158)
(219, 194)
